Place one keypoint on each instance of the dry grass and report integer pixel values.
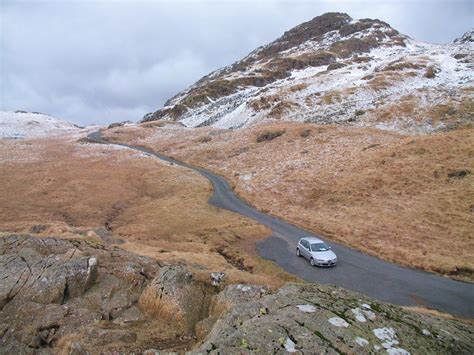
(161, 307)
(383, 193)
(335, 96)
(264, 102)
(435, 313)
(430, 73)
(157, 209)
(380, 82)
(281, 108)
(407, 106)
(452, 112)
(400, 65)
(298, 87)
(160, 334)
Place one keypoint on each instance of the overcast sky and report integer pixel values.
(108, 61)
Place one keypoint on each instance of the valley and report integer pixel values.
(178, 233)
(398, 197)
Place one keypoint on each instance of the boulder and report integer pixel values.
(47, 280)
(56, 289)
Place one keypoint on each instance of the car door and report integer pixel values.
(305, 249)
(302, 248)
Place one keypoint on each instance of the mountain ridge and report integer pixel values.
(365, 59)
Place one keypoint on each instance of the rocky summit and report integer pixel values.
(334, 69)
(76, 296)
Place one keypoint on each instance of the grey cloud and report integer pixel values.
(98, 62)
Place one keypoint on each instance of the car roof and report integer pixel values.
(312, 240)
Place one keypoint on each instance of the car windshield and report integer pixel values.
(319, 247)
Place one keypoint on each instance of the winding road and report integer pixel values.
(356, 271)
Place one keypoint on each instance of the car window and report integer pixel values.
(319, 247)
(306, 244)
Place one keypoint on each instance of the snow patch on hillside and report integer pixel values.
(21, 125)
(353, 88)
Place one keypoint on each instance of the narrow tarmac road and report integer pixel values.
(356, 271)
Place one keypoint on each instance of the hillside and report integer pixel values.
(178, 234)
(22, 124)
(400, 197)
(334, 69)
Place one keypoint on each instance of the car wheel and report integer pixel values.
(298, 252)
(311, 261)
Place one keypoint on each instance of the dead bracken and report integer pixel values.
(297, 182)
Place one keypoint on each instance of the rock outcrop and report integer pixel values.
(327, 320)
(465, 38)
(52, 288)
(79, 297)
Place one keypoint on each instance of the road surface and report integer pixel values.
(356, 271)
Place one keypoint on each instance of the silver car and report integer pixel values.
(316, 251)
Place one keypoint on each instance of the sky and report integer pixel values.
(97, 62)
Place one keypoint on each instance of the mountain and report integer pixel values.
(22, 124)
(465, 38)
(334, 69)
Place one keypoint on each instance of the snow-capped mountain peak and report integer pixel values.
(465, 38)
(334, 69)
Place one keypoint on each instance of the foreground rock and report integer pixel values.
(54, 292)
(80, 297)
(327, 320)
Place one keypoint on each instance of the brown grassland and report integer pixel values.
(405, 198)
(149, 207)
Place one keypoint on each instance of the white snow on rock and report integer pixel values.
(244, 288)
(358, 315)
(385, 333)
(92, 261)
(397, 351)
(307, 308)
(290, 345)
(21, 125)
(361, 341)
(389, 338)
(426, 332)
(338, 322)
